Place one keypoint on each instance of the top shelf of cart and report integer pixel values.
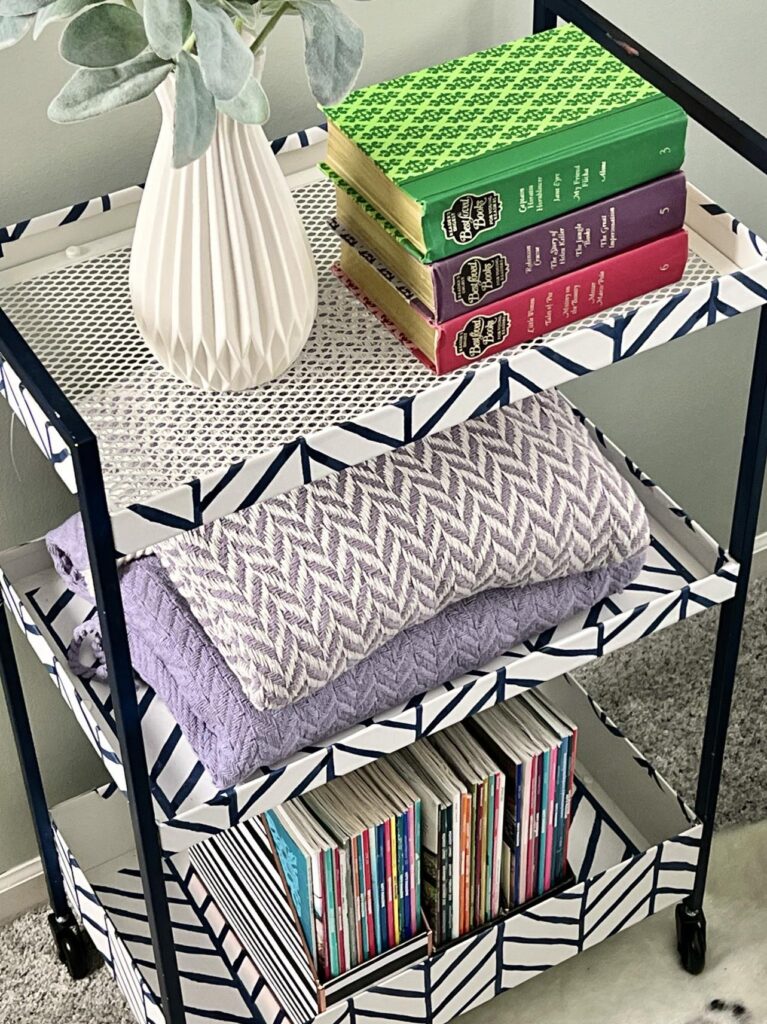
(174, 457)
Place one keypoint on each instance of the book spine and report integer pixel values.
(381, 871)
(500, 804)
(507, 198)
(399, 854)
(417, 832)
(504, 267)
(452, 930)
(371, 853)
(478, 850)
(517, 865)
(525, 817)
(570, 790)
(553, 815)
(468, 818)
(407, 874)
(543, 822)
(341, 904)
(330, 910)
(320, 930)
(354, 934)
(370, 889)
(572, 297)
(487, 900)
(539, 822)
(361, 923)
(443, 877)
(390, 883)
(559, 792)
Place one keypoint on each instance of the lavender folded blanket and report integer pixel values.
(173, 655)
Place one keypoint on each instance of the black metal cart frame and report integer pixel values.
(738, 136)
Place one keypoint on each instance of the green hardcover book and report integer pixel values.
(497, 141)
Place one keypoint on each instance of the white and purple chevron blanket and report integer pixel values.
(296, 590)
(589, 518)
(232, 739)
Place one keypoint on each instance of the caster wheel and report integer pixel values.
(72, 946)
(691, 939)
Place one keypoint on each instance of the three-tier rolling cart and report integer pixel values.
(148, 457)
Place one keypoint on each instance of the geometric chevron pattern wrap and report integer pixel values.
(617, 884)
(302, 586)
(220, 982)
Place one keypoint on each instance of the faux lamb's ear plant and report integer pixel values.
(214, 48)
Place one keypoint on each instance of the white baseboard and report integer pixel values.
(21, 889)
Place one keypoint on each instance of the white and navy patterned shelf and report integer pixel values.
(633, 850)
(175, 457)
(686, 572)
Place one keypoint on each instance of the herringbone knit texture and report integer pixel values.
(297, 589)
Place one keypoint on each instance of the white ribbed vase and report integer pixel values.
(222, 278)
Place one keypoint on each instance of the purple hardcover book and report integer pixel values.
(508, 265)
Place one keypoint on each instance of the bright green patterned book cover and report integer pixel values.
(498, 140)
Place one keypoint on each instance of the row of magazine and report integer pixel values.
(448, 833)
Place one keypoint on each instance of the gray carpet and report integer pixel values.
(655, 691)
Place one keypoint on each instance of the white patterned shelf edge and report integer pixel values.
(174, 458)
(622, 877)
(686, 573)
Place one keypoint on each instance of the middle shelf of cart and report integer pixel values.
(685, 572)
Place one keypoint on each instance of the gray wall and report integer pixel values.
(678, 411)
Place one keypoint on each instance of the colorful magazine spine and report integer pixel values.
(370, 889)
(330, 913)
(570, 790)
(339, 865)
(444, 874)
(559, 834)
(467, 814)
(500, 804)
(402, 879)
(320, 922)
(391, 882)
(415, 920)
(355, 938)
(551, 816)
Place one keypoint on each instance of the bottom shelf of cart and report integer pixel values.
(633, 850)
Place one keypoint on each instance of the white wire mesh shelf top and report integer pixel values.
(156, 433)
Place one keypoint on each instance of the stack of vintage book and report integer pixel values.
(445, 835)
(497, 197)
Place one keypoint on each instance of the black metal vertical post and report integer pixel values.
(543, 18)
(103, 564)
(745, 516)
(30, 770)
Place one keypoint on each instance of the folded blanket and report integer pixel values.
(298, 589)
(232, 739)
